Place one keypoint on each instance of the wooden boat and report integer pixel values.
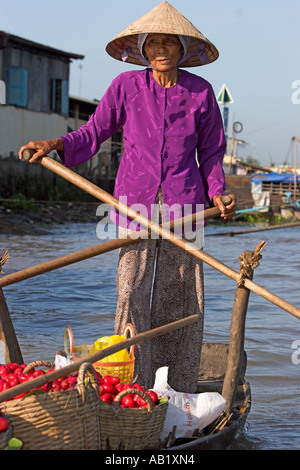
(220, 434)
(222, 367)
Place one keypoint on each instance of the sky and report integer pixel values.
(258, 42)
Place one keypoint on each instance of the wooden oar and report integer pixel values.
(8, 338)
(104, 247)
(100, 194)
(256, 229)
(97, 356)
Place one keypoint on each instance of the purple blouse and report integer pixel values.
(173, 138)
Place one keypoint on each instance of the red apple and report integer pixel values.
(23, 377)
(38, 372)
(12, 379)
(4, 424)
(72, 381)
(119, 387)
(65, 384)
(46, 387)
(109, 389)
(153, 395)
(2, 382)
(129, 402)
(12, 365)
(55, 386)
(4, 370)
(138, 387)
(140, 401)
(107, 397)
(111, 380)
(6, 386)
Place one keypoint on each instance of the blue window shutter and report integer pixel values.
(65, 97)
(53, 94)
(18, 82)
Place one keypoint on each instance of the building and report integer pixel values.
(36, 81)
(35, 105)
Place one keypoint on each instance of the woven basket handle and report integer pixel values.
(129, 333)
(68, 335)
(37, 364)
(135, 391)
(87, 369)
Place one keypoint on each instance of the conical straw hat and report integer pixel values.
(164, 19)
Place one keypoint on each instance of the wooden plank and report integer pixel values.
(237, 331)
(256, 229)
(12, 351)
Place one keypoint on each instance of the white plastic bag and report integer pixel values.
(187, 411)
(61, 361)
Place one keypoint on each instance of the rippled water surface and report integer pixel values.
(83, 296)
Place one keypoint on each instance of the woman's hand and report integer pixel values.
(227, 212)
(41, 148)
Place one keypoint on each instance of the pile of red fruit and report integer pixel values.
(12, 374)
(111, 386)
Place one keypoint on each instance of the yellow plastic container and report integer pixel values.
(120, 364)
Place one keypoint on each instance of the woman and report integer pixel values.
(169, 116)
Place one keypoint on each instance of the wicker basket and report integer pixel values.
(5, 436)
(131, 428)
(64, 420)
(124, 369)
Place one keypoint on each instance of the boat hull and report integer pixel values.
(211, 377)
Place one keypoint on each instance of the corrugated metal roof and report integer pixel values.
(10, 40)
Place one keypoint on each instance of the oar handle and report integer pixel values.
(226, 200)
(28, 153)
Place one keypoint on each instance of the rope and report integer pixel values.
(3, 259)
(248, 264)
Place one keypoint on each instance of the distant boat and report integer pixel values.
(277, 189)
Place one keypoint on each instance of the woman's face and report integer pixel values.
(163, 51)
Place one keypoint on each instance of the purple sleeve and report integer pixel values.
(211, 148)
(81, 145)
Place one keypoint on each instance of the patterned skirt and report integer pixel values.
(158, 283)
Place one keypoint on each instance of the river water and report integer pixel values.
(83, 296)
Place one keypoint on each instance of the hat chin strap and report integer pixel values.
(200, 50)
(125, 56)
